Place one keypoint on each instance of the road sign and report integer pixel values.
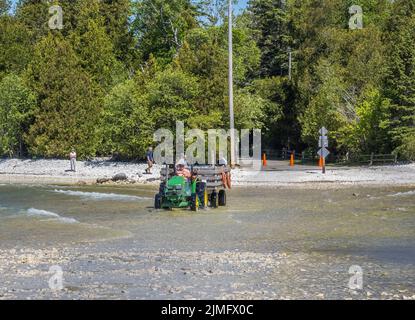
(323, 142)
(323, 131)
(323, 152)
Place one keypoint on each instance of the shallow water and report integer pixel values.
(332, 229)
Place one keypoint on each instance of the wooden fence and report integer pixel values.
(311, 157)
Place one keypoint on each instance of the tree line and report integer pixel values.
(119, 70)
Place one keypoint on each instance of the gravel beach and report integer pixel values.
(56, 171)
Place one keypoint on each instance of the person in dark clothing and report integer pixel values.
(150, 160)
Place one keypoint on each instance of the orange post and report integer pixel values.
(320, 163)
(264, 159)
(292, 160)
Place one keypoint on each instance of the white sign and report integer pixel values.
(323, 142)
(323, 152)
(323, 131)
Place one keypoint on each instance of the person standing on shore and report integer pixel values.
(72, 157)
(150, 160)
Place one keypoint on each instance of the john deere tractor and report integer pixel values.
(205, 188)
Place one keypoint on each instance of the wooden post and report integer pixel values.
(371, 159)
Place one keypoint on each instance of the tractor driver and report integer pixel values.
(182, 171)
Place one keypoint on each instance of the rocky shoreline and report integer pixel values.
(16, 171)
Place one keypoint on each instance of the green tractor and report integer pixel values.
(205, 189)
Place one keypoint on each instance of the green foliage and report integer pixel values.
(171, 95)
(369, 131)
(407, 149)
(34, 15)
(119, 70)
(116, 21)
(17, 107)
(270, 23)
(4, 6)
(161, 25)
(15, 45)
(126, 122)
(68, 100)
(204, 55)
(326, 107)
(94, 46)
(280, 114)
(400, 80)
(249, 110)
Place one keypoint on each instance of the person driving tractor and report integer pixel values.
(182, 171)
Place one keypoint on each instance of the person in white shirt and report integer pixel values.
(72, 157)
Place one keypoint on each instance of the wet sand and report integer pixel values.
(278, 243)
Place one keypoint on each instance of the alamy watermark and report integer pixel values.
(356, 280)
(192, 146)
(56, 20)
(356, 19)
(56, 280)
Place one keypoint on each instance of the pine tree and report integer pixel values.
(117, 14)
(34, 14)
(161, 26)
(68, 100)
(4, 7)
(270, 22)
(15, 45)
(94, 46)
(400, 83)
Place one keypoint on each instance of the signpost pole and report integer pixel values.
(231, 111)
(324, 159)
(323, 144)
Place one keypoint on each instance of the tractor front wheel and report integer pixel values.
(222, 198)
(214, 199)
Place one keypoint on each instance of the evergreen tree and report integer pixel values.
(69, 107)
(400, 83)
(94, 46)
(4, 7)
(117, 14)
(34, 14)
(17, 107)
(15, 45)
(269, 20)
(160, 26)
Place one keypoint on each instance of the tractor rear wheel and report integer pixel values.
(222, 198)
(214, 199)
(157, 201)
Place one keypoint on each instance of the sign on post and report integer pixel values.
(323, 152)
(323, 144)
(323, 132)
